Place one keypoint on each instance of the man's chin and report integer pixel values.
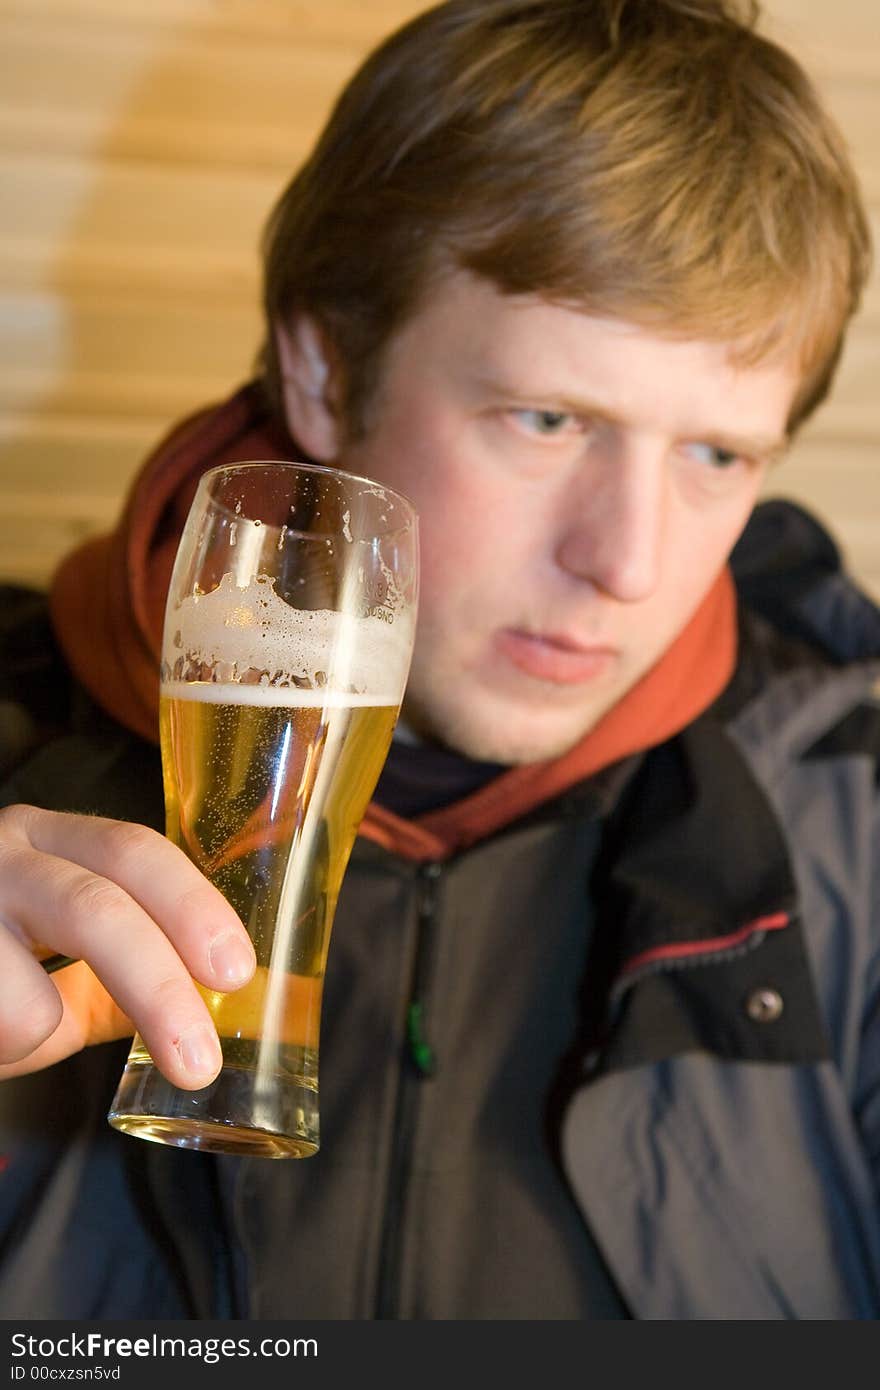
(499, 737)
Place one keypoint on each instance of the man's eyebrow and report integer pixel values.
(766, 447)
(546, 396)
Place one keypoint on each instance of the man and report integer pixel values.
(598, 1036)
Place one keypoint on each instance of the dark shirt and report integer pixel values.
(420, 777)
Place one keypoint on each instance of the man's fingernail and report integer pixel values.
(199, 1051)
(232, 960)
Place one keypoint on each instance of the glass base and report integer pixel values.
(231, 1116)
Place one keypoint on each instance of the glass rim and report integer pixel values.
(328, 469)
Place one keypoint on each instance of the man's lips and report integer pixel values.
(553, 656)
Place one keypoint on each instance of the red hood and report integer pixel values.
(107, 603)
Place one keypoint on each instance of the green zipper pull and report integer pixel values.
(420, 1051)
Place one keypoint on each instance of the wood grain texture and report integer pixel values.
(142, 143)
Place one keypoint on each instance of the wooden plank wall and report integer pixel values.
(142, 143)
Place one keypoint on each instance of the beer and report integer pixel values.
(252, 779)
(264, 790)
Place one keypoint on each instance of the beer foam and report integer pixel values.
(235, 634)
(271, 696)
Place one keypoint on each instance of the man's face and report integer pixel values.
(580, 483)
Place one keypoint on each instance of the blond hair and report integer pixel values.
(652, 160)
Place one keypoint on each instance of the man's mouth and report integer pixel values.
(554, 657)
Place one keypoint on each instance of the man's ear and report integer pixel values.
(310, 387)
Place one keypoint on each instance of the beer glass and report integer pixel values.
(288, 634)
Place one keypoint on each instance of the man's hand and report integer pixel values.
(138, 918)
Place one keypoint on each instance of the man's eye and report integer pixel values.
(713, 455)
(544, 422)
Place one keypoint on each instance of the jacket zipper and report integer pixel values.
(417, 1065)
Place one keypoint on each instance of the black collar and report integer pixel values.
(697, 915)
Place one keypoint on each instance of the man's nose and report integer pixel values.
(612, 533)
